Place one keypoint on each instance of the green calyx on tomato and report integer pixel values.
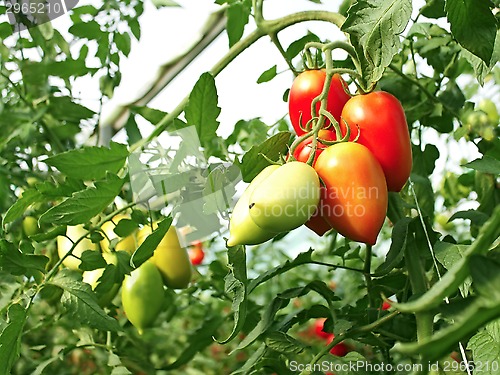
(379, 122)
(307, 86)
(286, 199)
(356, 192)
(242, 229)
(304, 148)
(142, 296)
(171, 259)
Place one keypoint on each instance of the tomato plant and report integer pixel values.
(361, 165)
(306, 87)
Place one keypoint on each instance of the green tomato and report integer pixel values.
(171, 259)
(286, 199)
(142, 296)
(488, 107)
(30, 226)
(242, 229)
(64, 246)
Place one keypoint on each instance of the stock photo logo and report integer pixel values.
(26, 14)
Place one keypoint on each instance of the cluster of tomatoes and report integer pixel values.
(354, 164)
(142, 291)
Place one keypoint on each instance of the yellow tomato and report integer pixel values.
(171, 259)
(127, 244)
(64, 246)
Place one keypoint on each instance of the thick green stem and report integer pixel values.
(265, 28)
(367, 273)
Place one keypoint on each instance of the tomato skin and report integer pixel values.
(171, 259)
(340, 350)
(317, 222)
(30, 226)
(384, 131)
(386, 305)
(307, 86)
(318, 328)
(304, 148)
(64, 245)
(196, 253)
(356, 199)
(142, 295)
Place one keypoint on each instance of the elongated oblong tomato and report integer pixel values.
(356, 192)
(307, 86)
(382, 125)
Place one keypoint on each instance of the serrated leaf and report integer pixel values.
(84, 205)
(235, 284)
(90, 163)
(197, 341)
(92, 260)
(476, 217)
(485, 346)
(253, 162)
(283, 343)
(15, 262)
(397, 248)
(21, 205)
(145, 251)
(485, 274)
(81, 303)
(202, 110)
(448, 254)
(374, 27)
(10, 338)
(268, 75)
(302, 258)
(237, 17)
(486, 164)
(473, 25)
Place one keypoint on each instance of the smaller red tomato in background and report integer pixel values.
(304, 148)
(318, 328)
(340, 350)
(196, 253)
(386, 305)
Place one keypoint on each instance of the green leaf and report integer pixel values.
(448, 254)
(268, 75)
(298, 46)
(473, 25)
(21, 205)
(84, 205)
(486, 164)
(283, 343)
(64, 108)
(236, 285)
(253, 161)
(13, 261)
(90, 163)
(145, 251)
(485, 274)
(92, 260)
(87, 30)
(197, 341)
(374, 27)
(202, 110)
(247, 133)
(237, 17)
(485, 346)
(123, 42)
(476, 217)
(81, 303)
(398, 245)
(10, 338)
(154, 116)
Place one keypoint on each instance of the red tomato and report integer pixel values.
(317, 223)
(384, 131)
(386, 305)
(356, 199)
(304, 148)
(307, 86)
(340, 349)
(318, 328)
(196, 253)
